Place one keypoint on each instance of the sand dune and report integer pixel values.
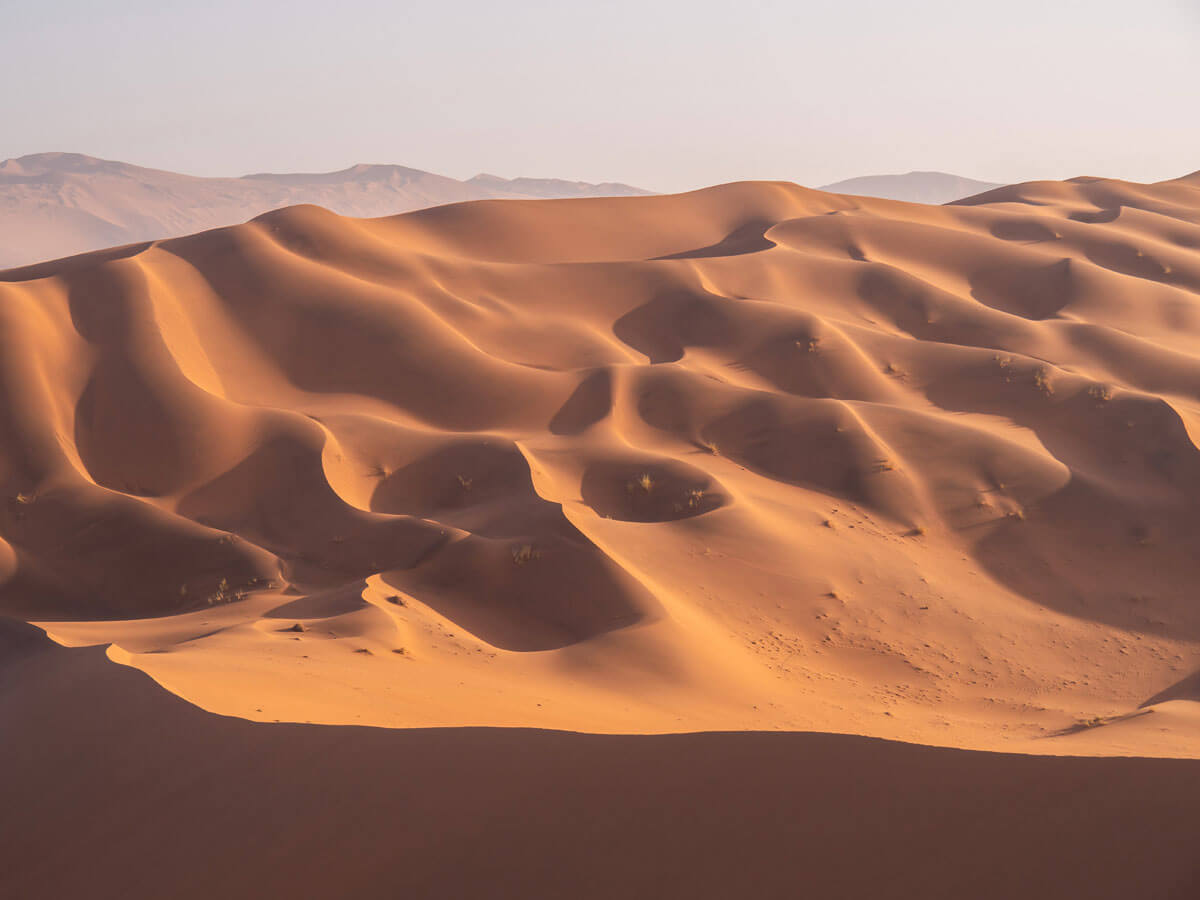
(57, 204)
(752, 458)
(124, 791)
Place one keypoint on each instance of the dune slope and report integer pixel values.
(754, 457)
(127, 792)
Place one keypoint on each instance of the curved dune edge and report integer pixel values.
(292, 810)
(752, 458)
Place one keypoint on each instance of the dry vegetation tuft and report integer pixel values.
(225, 594)
(525, 553)
(811, 345)
(643, 482)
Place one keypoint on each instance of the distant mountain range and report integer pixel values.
(59, 204)
(933, 188)
(553, 188)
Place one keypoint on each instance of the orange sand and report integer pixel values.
(751, 458)
(115, 790)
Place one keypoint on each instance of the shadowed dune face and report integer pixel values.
(756, 456)
(648, 491)
(295, 810)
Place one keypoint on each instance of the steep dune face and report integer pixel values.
(751, 457)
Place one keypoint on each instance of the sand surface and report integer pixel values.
(118, 790)
(747, 459)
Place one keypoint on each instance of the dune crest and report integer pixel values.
(753, 457)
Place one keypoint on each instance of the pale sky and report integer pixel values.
(668, 95)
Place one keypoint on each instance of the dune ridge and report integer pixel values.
(753, 457)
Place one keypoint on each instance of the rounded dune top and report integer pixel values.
(603, 228)
(751, 457)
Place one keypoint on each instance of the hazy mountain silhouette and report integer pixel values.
(915, 187)
(58, 204)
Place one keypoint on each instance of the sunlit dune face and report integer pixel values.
(752, 457)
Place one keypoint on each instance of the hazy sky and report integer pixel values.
(668, 95)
